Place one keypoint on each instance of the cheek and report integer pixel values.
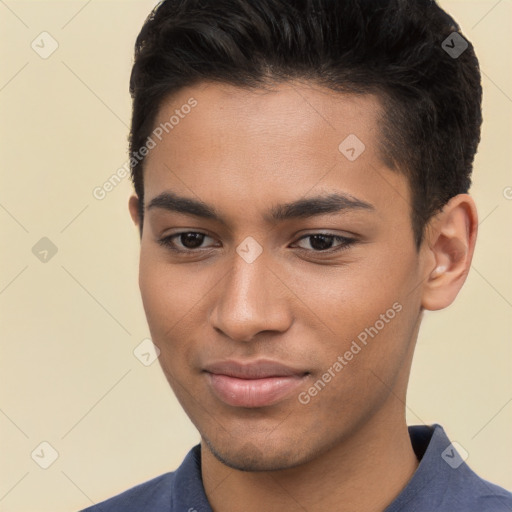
(347, 299)
(169, 291)
(368, 363)
(165, 295)
(366, 314)
(175, 299)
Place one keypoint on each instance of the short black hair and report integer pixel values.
(396, 49)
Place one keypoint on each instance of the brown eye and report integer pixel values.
(191, 240)
(323, 242)
(186, 241)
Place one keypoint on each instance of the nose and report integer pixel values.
(251, 299)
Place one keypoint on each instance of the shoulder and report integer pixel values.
(474, 494)
(171, 492)
(444, 482)
(154, 495)
(466, 490)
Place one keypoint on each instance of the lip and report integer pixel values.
(255, 384)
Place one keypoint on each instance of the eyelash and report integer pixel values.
(346, 243)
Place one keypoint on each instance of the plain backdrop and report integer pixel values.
(70, 309)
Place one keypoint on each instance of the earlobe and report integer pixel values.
(133, 206)
(451, 245)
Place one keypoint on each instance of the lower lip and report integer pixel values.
(253, 392)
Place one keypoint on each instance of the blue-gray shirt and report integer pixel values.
(443, 482)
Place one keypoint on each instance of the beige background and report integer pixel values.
(68, 375)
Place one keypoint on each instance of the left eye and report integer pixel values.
(323, 242)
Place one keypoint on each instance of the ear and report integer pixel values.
(450, 243)
(133, 206)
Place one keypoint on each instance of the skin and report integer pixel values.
(243, 152)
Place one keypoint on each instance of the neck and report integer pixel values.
(366, 471)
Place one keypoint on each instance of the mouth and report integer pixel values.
(257, 384)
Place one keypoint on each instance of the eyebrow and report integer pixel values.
(302, 208)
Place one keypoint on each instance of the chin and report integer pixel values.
(248, 457)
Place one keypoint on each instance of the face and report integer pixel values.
(278, 269)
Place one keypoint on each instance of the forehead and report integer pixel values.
(250, 144)
(286, 112)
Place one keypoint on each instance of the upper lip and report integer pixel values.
(258, 369)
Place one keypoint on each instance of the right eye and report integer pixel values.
(189, 241)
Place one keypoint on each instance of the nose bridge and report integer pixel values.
(250, 301)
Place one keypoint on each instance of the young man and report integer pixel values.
(301, 173)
